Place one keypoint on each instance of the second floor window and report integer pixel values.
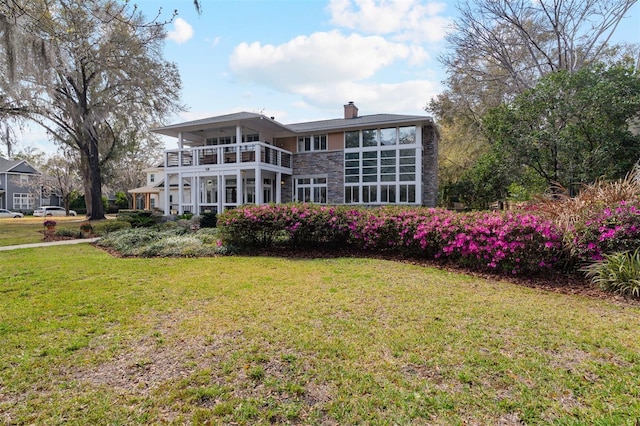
(312, 143)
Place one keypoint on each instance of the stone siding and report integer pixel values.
(330, 163)
(429, 166)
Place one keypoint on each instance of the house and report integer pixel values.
(246, 158)
(19, 190)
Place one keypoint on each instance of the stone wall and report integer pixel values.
(429, 166)
(330, 163)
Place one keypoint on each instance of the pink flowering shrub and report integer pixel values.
(515, 243)
(613, 229)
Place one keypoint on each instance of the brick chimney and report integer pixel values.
(350, 110)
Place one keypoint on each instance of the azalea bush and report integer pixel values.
(513, 242)
(612, 230)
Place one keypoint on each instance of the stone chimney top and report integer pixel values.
(350, 110)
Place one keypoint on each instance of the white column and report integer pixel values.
(180, 193)
(196, 194)
(238, 141)
(239, 192)
(222, 192)
(180, 145)
(259, 189)
(167, 186)
(278, 187)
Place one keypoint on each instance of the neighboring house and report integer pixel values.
(18, 186)
(148, 197)
(245, 158)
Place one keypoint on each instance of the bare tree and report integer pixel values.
(86, 70)
(500, 48)
(60, 176)
(142, 150)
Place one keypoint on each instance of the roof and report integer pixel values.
(145, 190)
(259, 122)
(365, 120)
(17, 166)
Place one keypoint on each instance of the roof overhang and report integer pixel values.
(198, 130)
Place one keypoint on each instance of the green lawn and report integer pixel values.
(26, 230)
(91, 339)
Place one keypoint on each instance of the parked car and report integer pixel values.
(52, 211)
(8, 213)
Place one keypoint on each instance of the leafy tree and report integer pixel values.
(572, 128)
(87, 71)
(501, 48)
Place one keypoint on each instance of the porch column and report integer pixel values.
(196, 195)
(167, 188)
(222, 192)
(258, 185)
(278, 187)
(180, 193)
(238, 141)
(239, 191)
(180, 145)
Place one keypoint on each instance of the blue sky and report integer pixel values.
(303, 60)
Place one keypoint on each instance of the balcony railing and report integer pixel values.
(252, 152)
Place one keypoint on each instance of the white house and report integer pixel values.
(246, 158)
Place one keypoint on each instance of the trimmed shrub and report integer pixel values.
(617, 272)
(611, 230)
(208, 220)
(106, 226)
(504, 241)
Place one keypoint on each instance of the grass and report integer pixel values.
(91, 339)
(26, 230)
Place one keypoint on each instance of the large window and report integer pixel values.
(311, 190)
(312, 143)
(23, 201)
(381, 166)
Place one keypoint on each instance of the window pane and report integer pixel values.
(412, 193)
(388, 178)
(320, 180)
(352, 171)
(352, 179)
(388, 170)
(369, 138)
(407, 177)
(369, 163)
(388, 136)
(370, 154)
(407, 169)
(407, 153)
(352, 156)
(352, 163)
(388, 153)
(408, 160)
(407, 135)
(388, 161)
(369, 170)
(351, 139)
(370, 178)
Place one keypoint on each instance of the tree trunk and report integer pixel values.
(92, 180)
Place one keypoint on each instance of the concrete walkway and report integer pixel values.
(51, 243)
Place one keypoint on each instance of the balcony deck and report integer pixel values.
(250, 154)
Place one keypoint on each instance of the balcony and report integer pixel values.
(251, 154)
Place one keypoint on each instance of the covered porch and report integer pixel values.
(220, 190)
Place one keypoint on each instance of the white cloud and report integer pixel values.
(408, 97)
(417, 21)
(320, 59)
(182, 31)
